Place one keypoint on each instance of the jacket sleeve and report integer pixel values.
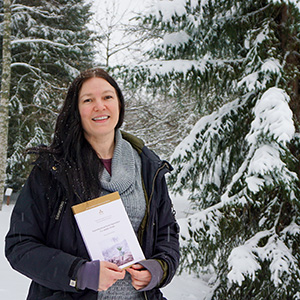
(166, 235)
(26, 242)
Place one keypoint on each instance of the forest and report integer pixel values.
(212, 86)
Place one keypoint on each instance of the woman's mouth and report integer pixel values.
(100, 118)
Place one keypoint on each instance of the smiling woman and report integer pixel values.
(90, 157)
(99, 112)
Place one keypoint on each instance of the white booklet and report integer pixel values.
(107, 231)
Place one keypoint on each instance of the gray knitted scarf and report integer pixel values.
(126, 179)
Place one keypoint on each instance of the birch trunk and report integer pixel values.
(5, 95)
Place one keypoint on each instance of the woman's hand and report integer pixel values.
(109, 274)
(140, 277)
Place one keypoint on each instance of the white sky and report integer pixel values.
(119, 12)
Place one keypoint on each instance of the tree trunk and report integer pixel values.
(5, 95)
(291, 48)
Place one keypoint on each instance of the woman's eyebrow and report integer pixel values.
(84, 96)
(108, 91)
(91, 94)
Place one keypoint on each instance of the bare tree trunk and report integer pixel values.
(5, 95)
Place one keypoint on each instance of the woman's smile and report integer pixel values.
(101, 118)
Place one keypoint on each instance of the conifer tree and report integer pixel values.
(162, 105)
(240, 164)
(50, 45)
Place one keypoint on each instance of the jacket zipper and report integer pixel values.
(141, 232)
(60, 209)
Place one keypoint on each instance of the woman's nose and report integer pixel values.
(99, 105)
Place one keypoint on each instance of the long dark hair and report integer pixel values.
(76, 156)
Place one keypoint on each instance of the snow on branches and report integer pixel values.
(248, 210)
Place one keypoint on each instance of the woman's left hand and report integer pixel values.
(140, 277)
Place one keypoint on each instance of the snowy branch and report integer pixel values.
(55, 113)
(21, 64)
(43, 13)
(27, 41)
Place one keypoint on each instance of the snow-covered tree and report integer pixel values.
(181, 71)
(50, 45)
(238, 62)
(239, 165)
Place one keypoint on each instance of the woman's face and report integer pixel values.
(98, 105)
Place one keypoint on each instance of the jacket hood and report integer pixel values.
(135, 142)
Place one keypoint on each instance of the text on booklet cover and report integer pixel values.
(107, 231)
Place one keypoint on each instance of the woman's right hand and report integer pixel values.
(109, 274)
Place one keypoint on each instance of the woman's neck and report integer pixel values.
(104, 147)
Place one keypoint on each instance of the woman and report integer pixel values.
(90, 157)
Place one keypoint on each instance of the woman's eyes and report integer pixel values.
(108, 97)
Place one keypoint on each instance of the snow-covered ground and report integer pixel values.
(14, 286)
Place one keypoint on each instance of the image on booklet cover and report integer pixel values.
(117, 252)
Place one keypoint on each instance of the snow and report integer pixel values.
(271, 65)
(163, 67)
(14, 286)
(31, 40)
(236, 262)
(273, 115)
(250, 81)
(176, 38)
(167, 8)
(244, 259)
(265, 159)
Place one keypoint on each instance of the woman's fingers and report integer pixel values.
(140, 277)
(109, 274)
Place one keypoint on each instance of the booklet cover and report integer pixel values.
(107, 231)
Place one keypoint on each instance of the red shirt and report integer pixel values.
(107, 164)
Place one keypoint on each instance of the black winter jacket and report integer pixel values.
(44, 242)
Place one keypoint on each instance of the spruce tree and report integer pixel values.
(50, 45)
(239, 166)
(160, 87)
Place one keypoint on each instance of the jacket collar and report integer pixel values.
(135, 142)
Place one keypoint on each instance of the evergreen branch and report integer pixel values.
(25, 41)
(55, 113)
(36, 10)
(21, 64)
(37, 72)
